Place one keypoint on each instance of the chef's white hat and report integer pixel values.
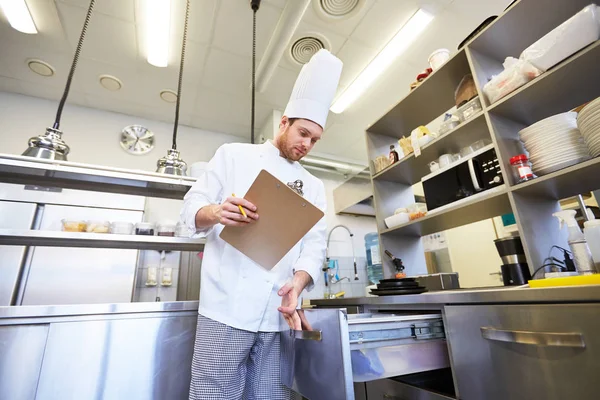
(314, 88)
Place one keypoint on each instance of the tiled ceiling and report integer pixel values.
(216, 92)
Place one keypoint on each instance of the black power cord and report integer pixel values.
(254, 4)
(185, 28)
(63, 99)
(547, 265)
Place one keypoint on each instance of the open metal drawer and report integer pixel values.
(335, 350)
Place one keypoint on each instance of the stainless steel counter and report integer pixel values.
(140, 351)
(501, 295)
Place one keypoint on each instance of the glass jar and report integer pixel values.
(521, 168)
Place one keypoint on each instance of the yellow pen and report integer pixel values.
(240, 207)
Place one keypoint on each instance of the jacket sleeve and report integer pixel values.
(207, 190)
(314, 243)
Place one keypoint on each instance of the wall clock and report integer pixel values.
(135, 139)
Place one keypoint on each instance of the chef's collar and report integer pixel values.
(270, 149)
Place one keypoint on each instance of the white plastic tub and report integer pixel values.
(571, 36)
(592, 235)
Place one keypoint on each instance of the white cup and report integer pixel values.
(445, 160)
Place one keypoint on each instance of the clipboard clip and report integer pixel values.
(297, 186)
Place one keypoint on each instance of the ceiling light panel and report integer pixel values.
(399, 43)
(157, 15)
(18, 15)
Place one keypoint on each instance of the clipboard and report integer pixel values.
(284, 218)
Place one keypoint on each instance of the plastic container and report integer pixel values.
(449, 125)
(434, 166)
(374, 265)
(579, 248)
(416, 211)
(521, 168)
(69, 225)
(445, 160)
(516, 73)
(98, 227)
(151, 278)
(467, 111)
(144, 228)
(592, 236)
(438, 58)
(166, 229)
(181, 230)
(571, 36)
(480, 144)
(121, 228)
(397, 219)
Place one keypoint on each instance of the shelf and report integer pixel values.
(431, 99)
(569, 84)
(571, 181)
(410, 169)
(522, 25)
(481, 206)
(17, 237)
(30, 171)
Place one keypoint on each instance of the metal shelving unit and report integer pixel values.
(15, 237)
(567, 85)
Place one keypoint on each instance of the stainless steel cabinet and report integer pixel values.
(388, 389)
(525, 351)
(335, 350)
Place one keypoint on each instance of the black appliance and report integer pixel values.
(474, 174)
(515, 270)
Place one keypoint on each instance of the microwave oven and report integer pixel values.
(476, 173)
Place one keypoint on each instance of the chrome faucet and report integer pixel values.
(351, 245)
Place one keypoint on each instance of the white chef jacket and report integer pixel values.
(234, 289)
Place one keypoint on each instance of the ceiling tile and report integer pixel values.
(219, 106)
(355, 57)
(50, 33)
(340, 26)
(51, 93)
(382, 22)
(276, 3)
(335, 40)
(122, 9)
(333, 140)
(201, 21)
(279, 89)
(15, 58)
(356, 152)
(233, 29)
(229, 128)
(227, 72)
(9, 85)
(108, 39)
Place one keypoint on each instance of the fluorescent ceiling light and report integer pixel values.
(18, 15)
(399, 43)
(158, 27)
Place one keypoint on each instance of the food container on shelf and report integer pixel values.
(434, 166)
(423, 140)
(397, 219)
(166, 228)
(70, 225)
(181, 230)
(449, 125)
(151, 277)
(144, 228)
(521, 168)
(98, 227)
(516, 73)
(417, 210)
(121, 228)
(445, 160)
(571, 36)
(468, 110)
(465, 151)
(438, 58)
(592, 236)
(480, 144)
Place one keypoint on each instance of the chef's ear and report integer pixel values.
(284, 123)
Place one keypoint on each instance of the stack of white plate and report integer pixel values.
(554, 143)
(589, 125)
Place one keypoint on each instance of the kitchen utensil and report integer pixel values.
(398, 292)
(395, 285)
(438, 58)
(588, 122)
(398, 280)
(398, 265)
(579, 280)
(515, 271)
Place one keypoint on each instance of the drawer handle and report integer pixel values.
(306, 335)
(550, 339)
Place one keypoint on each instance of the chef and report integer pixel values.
(243, 306)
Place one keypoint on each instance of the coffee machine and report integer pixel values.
(515, 270)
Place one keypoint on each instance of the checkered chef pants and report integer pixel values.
(232, 364)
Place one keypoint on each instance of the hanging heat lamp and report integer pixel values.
(50, 145)
(254, 5)
(172, 164)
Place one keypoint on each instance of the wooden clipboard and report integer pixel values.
(284, 218)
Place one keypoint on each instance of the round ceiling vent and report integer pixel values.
(304, 48)
(40, 67)
(168, 95)
(110, 82)
(337, 9)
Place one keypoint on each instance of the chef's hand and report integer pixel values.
(229, 212)
(289, 301)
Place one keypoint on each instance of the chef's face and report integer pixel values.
(297, 137)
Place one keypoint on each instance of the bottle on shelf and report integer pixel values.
(393, 155)
(581, 252)
(374, 264)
